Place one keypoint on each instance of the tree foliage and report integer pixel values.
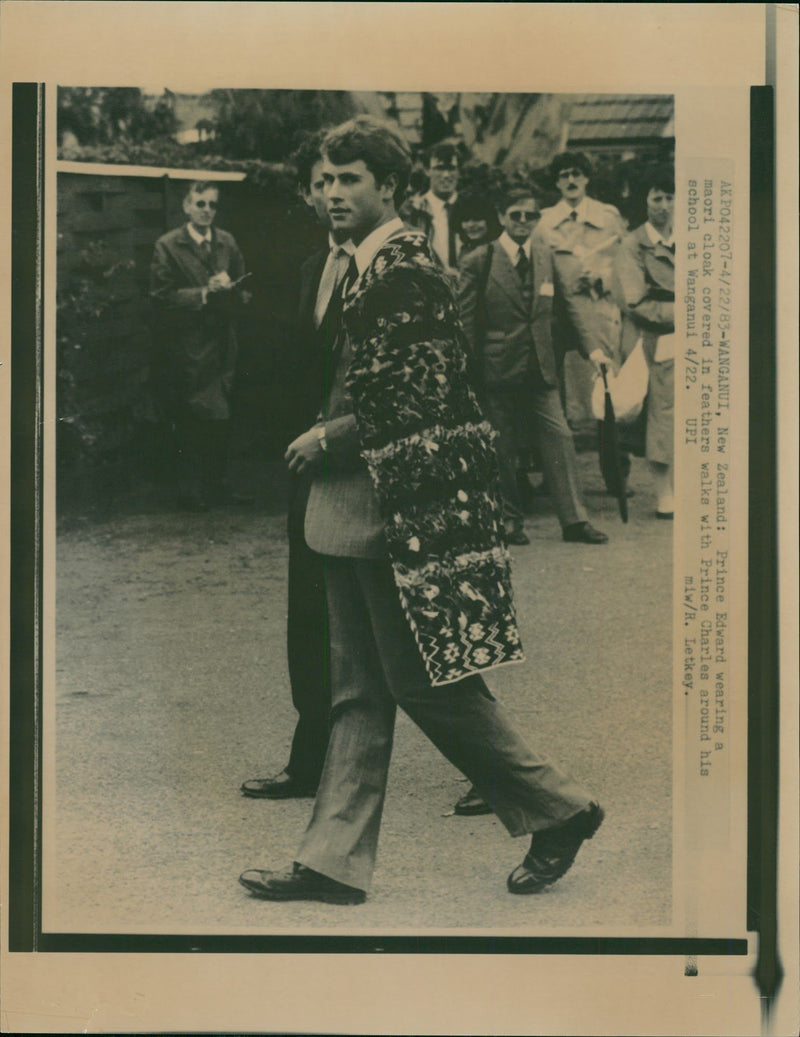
(105, 115)
(268, 124)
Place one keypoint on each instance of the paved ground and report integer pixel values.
(171, 688)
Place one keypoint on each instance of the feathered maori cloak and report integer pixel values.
(430, 454)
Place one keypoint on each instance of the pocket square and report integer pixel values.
(546, 288)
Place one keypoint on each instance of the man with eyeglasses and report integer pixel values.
(583, 235)
(193, 290)
(506, 303)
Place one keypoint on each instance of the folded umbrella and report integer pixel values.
(610, 453)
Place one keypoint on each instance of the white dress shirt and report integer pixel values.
(655, 236)
(440, 218)
(197, 237)
(512, 248)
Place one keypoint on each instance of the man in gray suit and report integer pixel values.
(506, 304)
(417, 577)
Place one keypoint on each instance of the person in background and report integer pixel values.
(194, 275)
(644, 287)
(403, 506)
(583, 235)
(506, 302)
(475, 221)
(307, 644)
(432, 211)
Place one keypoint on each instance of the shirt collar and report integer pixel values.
(196, 237)
(439, 203)
(656, 238)
(512, 248)
(345, 246)
(589, 211)
(372, 242)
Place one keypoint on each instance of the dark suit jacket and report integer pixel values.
(306, 363)
(196, 341)
(516, 330)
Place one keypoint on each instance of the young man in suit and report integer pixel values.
(307, 620)
(506, 303)
(403, 507)
(433, 211)
(193, 291)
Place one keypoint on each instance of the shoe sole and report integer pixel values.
(473, 811)
(325, 898)
(599, 817)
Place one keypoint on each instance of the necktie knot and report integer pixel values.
(573, 216)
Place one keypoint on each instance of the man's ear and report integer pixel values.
(185, 204)
(389, 185)
(305, 194)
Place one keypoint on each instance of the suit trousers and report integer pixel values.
(531, 414)
(376, 666)
(307, 644)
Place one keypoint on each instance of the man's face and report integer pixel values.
(571, 182)
(201, 208)
(519, 219)
(314, 195)
(660, 209)
(443, 176)
(356, 203)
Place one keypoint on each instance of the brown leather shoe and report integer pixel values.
(282, 786)
(553, 851)
(517, 536)
(299, 883)
(471, 805)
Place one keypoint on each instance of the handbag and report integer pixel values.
(628, 389)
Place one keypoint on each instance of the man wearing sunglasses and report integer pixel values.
(194, 293)
(506, 303)
(583, 235)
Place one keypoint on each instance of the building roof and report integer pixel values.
(630, 117)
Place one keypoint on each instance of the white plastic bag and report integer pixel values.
(628, 390)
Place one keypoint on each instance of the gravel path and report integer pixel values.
(172, 687)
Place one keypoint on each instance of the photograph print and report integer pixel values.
(363, 532)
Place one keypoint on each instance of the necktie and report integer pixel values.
(522, 265)
(332, 274)
(573, 216)
(334, 335)
(350, 277)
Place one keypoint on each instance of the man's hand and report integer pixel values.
(220, 282)
(598, 357)
(305, 454)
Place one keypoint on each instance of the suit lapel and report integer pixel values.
(309, 286)
(506, 278)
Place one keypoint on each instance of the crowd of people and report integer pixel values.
(432, 333)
